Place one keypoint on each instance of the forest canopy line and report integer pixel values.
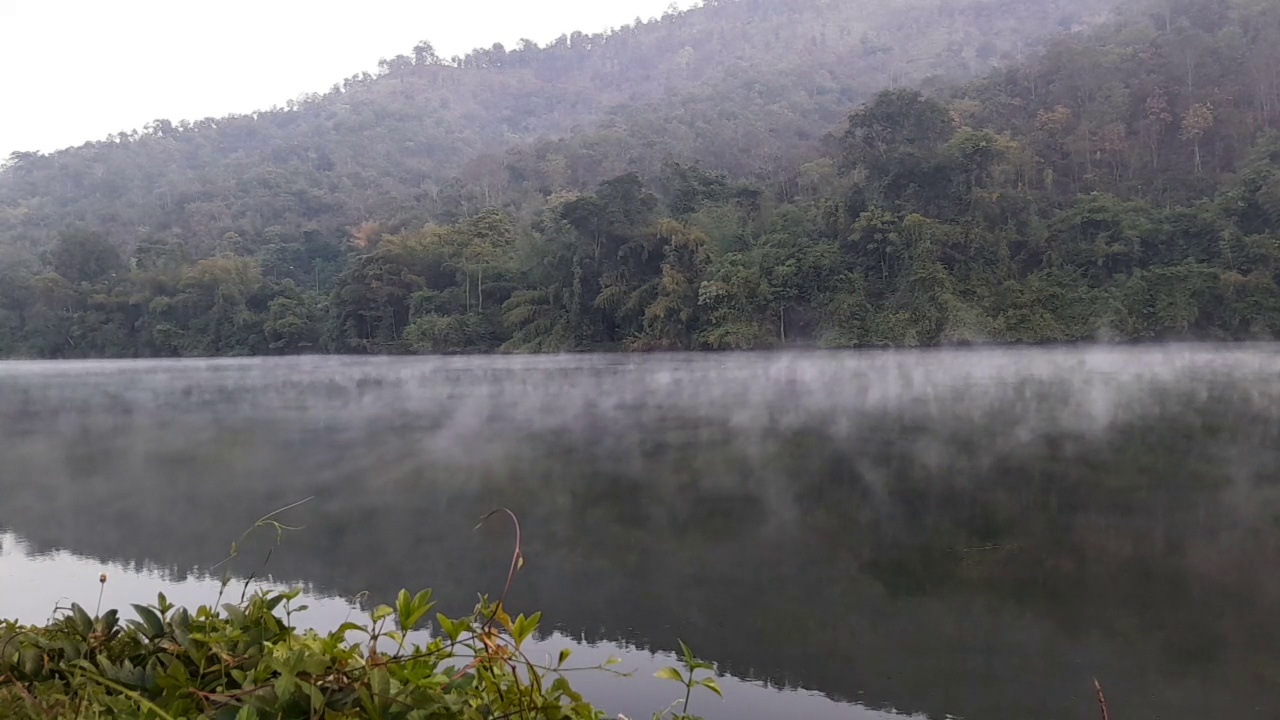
(1122, 183)
(745, 87)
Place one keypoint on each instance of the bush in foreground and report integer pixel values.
(247, 662)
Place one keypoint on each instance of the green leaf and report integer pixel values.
(154, 625)
(688, 654)
(347, 627)
(710, 684)
(382, 612)
(451, 628)
(72, 649)
(564, 657)
(107, 623)
(29, 659)
(669, 673)
(404, 609)
(285, 686)
(181, 632)
(317, 697)
(235, 614)
(380, 682)
(524, 627)
(410, 611)
(83, 622)
(560, 686)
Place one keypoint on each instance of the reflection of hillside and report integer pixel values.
(820, 554)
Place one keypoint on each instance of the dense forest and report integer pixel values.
(689, 183)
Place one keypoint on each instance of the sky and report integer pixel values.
(79, 70)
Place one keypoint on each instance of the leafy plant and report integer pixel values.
(688, 677)
(246, 661)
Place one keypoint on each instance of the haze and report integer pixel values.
(86, 69)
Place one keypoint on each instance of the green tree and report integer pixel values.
(671, 320)
(85, 256)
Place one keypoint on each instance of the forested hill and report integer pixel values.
(745, 86)
(1122, 182)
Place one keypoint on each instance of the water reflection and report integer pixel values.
(972, 534)
(39, 584)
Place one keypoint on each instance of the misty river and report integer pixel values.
(943, 534)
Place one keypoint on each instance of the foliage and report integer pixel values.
(246, 660)
(688, 677)
(1122, 184)
(744, 86)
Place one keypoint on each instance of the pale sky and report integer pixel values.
(78, 70)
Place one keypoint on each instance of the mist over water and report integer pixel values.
(947, 533)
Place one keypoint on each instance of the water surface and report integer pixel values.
(972, 534)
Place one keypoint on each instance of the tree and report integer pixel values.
(372, 298)
(484, 242)
(896, 143)
(294, 321)
(424, 53)
(559, 199)
(1156, 118)
(219, 308)
(85, 256)
(1195, 123)
(671, 320)
(737, 299)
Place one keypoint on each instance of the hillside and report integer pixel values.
(1120, 183)
(745, 86)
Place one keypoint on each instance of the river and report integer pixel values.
(943, 534)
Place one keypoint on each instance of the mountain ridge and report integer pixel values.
(374, 146)
(1123, 183)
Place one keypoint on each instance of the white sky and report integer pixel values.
(78, 70)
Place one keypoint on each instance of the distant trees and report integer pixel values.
(1123, 184)
(434, 140)
(424, 53)
(84, 256)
